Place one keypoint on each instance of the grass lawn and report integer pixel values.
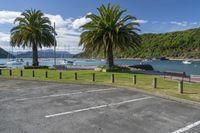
(144, 82)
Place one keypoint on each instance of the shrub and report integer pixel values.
(114, 68)
(142, 67)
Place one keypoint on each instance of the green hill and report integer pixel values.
(4, 54)
(180, 44)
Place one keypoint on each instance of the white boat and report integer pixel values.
(147, 60)
(187, 62)
(3, 66)
(45, 59)
(67, 62)
(15, 62)
(90, 60)
(102, 60)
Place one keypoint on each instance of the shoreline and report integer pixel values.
(175, 59)
(185, 59)
(193, 59)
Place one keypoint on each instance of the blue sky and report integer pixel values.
(155, 16)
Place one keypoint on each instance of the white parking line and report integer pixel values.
(97, 107)
(187, 127)
(66, 94)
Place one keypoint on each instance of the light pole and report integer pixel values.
(54, 25)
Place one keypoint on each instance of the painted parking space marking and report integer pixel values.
(187, 127)
(97, 107)
(66, 94)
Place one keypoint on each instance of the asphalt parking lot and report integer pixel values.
(44, 107)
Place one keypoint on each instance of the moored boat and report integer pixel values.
(187, 62)
(15, 62)
(67, 62)
(3, 66)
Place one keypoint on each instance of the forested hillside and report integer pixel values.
(180, 44)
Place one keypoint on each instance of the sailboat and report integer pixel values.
(14, 61)
(44, 58)
(65, 61)
(91, 59)
(3, 66)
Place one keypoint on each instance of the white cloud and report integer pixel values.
(8, 16)
(59, 20)
(155, 26)
(193, 23)
(4, 37)
(140, 21)
(183, 23)
(66, 28)
(79, 22)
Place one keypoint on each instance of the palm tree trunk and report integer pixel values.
(109, 60)
(35, 55)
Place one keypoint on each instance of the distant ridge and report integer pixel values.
(5, 54)
(46, 54)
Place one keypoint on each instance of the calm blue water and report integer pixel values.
(168, 65)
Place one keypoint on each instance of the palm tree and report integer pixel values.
(108, 31)
(33, 30)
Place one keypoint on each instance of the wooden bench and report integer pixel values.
(177, 74)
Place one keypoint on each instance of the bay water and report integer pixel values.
(158, 65)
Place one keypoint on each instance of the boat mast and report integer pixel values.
(68, 49)
(64, 51)
(54, 44)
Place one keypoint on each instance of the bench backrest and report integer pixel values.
(179, 74)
